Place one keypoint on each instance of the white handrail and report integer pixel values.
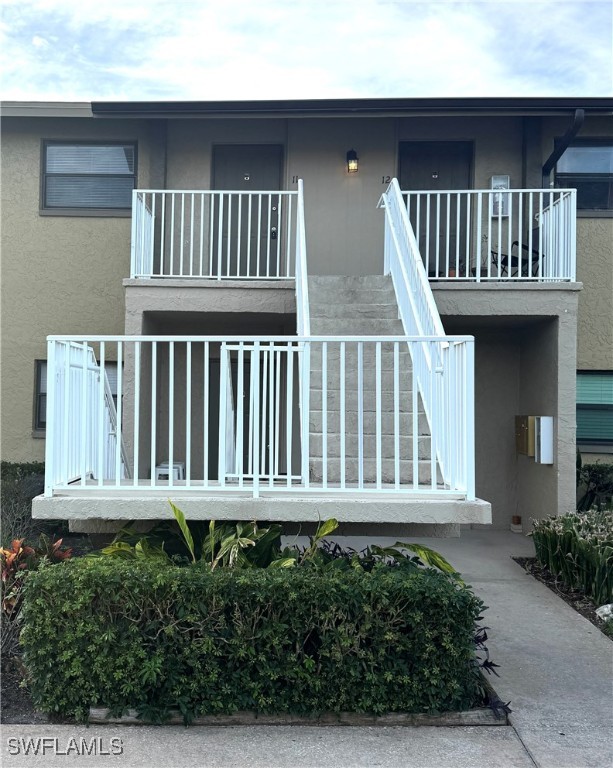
(449, 409)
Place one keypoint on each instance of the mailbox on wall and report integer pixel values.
(524, 435)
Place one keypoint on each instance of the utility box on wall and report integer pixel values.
(534, 437)
(543, 440)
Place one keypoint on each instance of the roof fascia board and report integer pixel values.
(354, 108)
(46, 109)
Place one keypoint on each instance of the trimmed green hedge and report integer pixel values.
(130, 634)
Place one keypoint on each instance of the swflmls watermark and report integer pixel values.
(50, 745)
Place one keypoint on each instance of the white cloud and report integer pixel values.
(237, 49)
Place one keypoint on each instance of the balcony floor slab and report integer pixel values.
(291, 506)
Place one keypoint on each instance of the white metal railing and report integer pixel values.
(224, 413)
(480, 235)
(84, 440)
(303, 327)
(434, 365)
(213, 234)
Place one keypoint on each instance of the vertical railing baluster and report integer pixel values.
(191, 235)
(171, 412)
(188, 414)
(268, 234)
(220, 236)
(279, 235)
(154, 404)
(255, 367)
(136, 433)
(278, 412)
(324, 414)
(396, 415)
(201, 238)
(289, 412)
(249, 231)
(100, 428)
(360, 405)
(378, 451)
(229, 238)
(447, 233)
(478, 258)
(271, 413)
(239, 227)
(119, 413)
(240, 416)
(415, 411)
(342, 417)
(172, 234)
(259, 240)
(264, 414)
(205, 417)
(223, 414)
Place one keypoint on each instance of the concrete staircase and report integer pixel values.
(363, 306)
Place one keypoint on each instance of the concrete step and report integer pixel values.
(370, 446)
(333, 356)
(369, 425)
(357, 310)
(352, 327)
(369, 401)
(369, 377)
(354, 282)
(370, 471)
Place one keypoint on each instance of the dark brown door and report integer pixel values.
(249, 231)
(437, 166)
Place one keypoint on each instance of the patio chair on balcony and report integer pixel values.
(522, 257)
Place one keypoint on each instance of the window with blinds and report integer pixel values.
(88, 176)
(595, 407)
(40, 390)
(587, 166)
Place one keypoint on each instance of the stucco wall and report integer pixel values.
(595, 271)
(524, 365)
(344, 226)
(59, 274)
(594, 261)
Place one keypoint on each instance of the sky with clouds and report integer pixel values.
(81, 50)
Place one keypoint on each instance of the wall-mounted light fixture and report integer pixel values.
(352, 161)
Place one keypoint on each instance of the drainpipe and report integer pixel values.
(563, 145)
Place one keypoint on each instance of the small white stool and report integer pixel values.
(162, 471)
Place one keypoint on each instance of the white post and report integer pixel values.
(50, 420)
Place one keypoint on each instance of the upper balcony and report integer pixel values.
(475, 236)
(517, 235)
(219, 235)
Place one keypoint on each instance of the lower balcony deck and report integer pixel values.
(126, 502)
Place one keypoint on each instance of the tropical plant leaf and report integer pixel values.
(430, 557)
(187, 536)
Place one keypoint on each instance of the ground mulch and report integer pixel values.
(575, 598)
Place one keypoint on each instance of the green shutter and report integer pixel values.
(595, 407)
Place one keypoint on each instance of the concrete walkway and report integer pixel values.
(556, 669)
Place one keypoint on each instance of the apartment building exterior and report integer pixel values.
(286, 310)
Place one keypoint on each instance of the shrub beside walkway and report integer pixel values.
(555, 668)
